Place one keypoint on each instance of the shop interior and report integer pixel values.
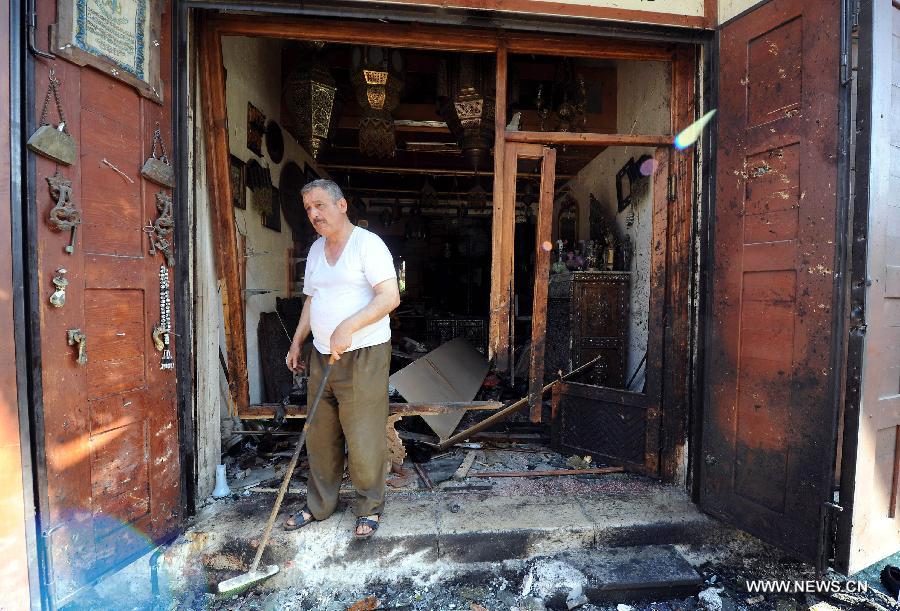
(409, 136)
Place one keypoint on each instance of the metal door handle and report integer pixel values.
(77, 336)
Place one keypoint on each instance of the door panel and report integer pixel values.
(110, 482)
(614, 425)
(769, 421)
(870, 475)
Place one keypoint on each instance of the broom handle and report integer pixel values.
(290, 470)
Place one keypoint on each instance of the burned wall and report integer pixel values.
(253, 67)
(643, 100)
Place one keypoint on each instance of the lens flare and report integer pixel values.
(692, 132)
(648, 167)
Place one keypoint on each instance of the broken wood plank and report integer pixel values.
(597, 471)
(466, 465)
(266, 411)
(503, 413)
(425, 479)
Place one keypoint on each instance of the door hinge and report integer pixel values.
(846, 71)
(828, 547)
(672, 188)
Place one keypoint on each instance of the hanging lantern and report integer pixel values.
(565, 109)
(477, 197)
(308, 96)
(466, 103)
(378, 81)
(428, 195)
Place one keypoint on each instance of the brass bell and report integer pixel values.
(156, 168)
(53, 142)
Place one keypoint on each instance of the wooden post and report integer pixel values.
(498, 330)
(541, 282)
(212, 86)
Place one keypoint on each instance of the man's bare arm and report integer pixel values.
(300, 335)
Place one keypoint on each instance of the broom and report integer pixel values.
(255, 575)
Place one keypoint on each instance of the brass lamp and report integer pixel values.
(466, 102)
(377, 76)
(308, 95)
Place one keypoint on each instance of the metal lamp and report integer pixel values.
(377, 77)
(308, 95)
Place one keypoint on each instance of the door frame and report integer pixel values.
(631, 44)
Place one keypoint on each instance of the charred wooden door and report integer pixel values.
(769, 420)
(614, 425)
(870, 471)
(110, 476)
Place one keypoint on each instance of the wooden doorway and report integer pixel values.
(681, 62)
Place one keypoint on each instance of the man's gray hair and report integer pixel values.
(329, 186)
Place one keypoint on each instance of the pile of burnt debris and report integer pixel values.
(557, 583)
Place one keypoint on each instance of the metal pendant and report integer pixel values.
(58, 298)
(158, 171)
(156, 168)
(53, 142)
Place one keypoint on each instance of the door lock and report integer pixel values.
(77, 336)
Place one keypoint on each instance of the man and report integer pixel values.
(351, 287)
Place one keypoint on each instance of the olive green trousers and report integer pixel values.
(353, 410)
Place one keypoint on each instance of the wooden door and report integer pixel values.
(615, 425)
(107, 430)
(870, 477)
(546, 157)
(769, 416)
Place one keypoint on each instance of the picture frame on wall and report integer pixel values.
(121, 39)
(238, 182)
(256, 129)
(272, 220)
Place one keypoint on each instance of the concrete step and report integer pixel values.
(426, 535)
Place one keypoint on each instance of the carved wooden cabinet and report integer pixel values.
(587, 316)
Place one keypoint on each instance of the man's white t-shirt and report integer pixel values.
(342, 290)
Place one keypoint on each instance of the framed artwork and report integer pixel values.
(238, 182)
(120, 38)
(272, 220)
(256, 129)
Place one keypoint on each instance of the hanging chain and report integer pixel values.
(54, 89)
(158, 142)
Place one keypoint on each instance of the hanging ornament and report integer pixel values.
(164, 328)
(159, 230)
(309, 96)
(63, 216)
(377, 77)
(565, 108)
(53, 142)
(157, 168)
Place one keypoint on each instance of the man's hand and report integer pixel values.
(341, 338)
(293, 360)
